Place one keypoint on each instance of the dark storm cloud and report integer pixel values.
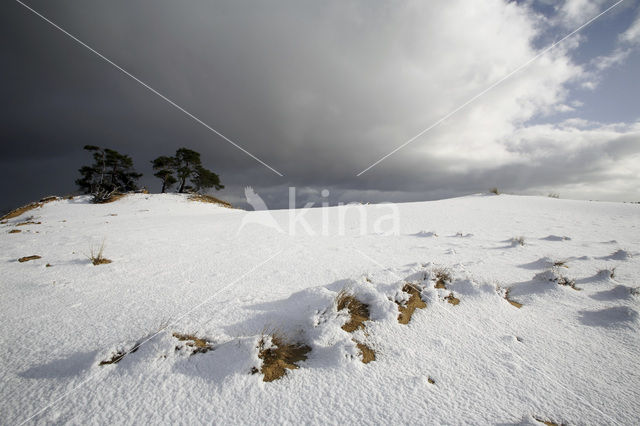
(318, 90)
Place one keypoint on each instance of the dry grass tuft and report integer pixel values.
(28, 258)
(368, 354)
(494, 190)
(414, 302)
(280, 356)
(547, 422)
(111, 198)
(452, 299)
(209, 199)
(195, 344)
(358, 311)
(567, 282)
(443, 277)
(97, 258)
(117, 357)
(513, 302)
(15, 231)
(28, 222)
(431, 381)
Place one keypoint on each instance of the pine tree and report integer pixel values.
(110, 172)
(187, 171)
(165, 168)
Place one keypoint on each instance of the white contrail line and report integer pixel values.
(497, 83)
(150, 88)
(94, 375)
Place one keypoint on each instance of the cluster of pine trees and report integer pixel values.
(113, 172)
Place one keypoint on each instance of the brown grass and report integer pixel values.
(97, 258)
(14, 231)
(20, 210)
(209, 199)
(358, 311)
(443, 277)
(28, 258)
(452, 299)
(368, 354)
(513, 302)
(414, 302)
(280, 357)
(28, 222)
(197, 345)
(112, 198)
(117, 357)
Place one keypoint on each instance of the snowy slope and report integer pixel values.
(567, 355)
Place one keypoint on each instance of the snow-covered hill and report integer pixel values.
(199, 301)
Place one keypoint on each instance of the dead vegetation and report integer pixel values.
(28, 222)
(278, 356)
(109, 198)
(358, 311)
(28, 258)
(117, 357)
(568, 282)
(194, 344)
(21, 210)
(209, 199)
(97, 257)
(513, 302)
(15, 231)
(408, 308)
(548, 422)
(452, 299)
(442, 277)
(368, 354)
(358, 315)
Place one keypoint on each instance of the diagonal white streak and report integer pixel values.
(494, 85)
(151, 89)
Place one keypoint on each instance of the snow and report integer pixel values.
(568, 355)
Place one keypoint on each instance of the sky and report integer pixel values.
(320, 91)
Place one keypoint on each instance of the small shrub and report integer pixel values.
(97, 257)
(442, 277)
(494, 190)
(553, 195)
